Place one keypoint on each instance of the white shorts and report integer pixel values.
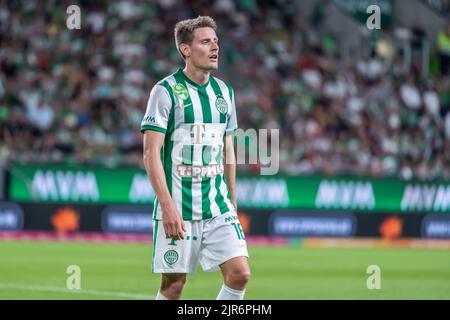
(210, 242)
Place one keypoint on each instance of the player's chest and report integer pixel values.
(203, 105)
(199, 133)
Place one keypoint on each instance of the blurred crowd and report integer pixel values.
(442, 6)
(78, 96)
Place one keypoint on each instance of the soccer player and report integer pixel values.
(189, 158)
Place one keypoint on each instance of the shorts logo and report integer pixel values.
(231, 218)
(221, 105)
(180, 91)
(171, 257)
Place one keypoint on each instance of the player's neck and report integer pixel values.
(198, 76)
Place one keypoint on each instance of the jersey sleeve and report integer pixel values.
(232, 120)
(158, 110)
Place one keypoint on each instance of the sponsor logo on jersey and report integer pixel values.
(221, 105)
(192, 171)
(171, 257)
(180, 91)
(148, 119)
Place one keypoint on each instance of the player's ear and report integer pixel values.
(185, 50)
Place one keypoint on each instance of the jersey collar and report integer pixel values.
(195, 84)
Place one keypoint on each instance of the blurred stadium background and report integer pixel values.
(364, 120)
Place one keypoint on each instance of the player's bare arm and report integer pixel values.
(230, 167)
(172, 221)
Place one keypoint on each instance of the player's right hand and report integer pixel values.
(173, 223)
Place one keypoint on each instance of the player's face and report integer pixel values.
(204, 50)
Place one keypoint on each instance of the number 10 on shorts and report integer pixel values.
(239, 232)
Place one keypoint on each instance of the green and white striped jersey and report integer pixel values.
(194, 119)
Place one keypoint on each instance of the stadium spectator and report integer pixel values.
(443, 42)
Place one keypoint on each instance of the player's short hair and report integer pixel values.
(184, 30)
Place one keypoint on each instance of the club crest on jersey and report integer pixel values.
(221, 105)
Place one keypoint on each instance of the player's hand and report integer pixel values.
(173, 223)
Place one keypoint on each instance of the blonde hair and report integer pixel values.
(184, 30)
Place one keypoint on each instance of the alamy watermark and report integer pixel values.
(73, 20)
(73, 281)
(374, 280)
(374, 20)
(198, 150)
